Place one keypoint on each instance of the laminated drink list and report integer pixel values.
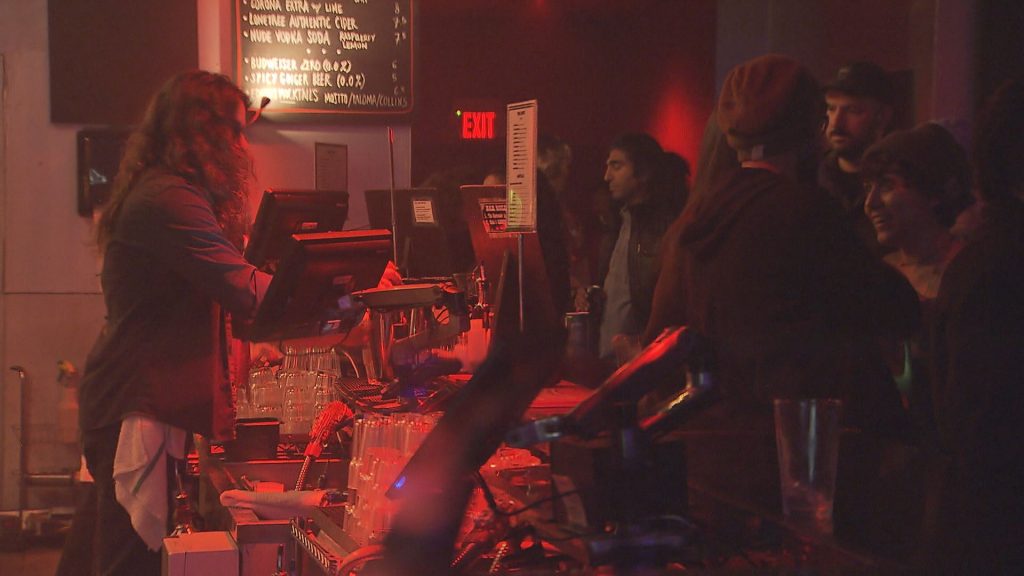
(342, 57)
(521, 166)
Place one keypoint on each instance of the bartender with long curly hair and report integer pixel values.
(173, 277)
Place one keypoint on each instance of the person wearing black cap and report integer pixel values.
(771, 274)
(859, 104)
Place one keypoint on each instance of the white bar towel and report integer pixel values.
(140, 473)
(274, 505)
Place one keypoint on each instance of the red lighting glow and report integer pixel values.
(477, 125)
(677, 123)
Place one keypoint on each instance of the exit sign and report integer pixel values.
(475, 125)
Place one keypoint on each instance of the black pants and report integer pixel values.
(76, 558)
(118, 549)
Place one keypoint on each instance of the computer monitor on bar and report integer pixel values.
(432, 239)
(310, 294)
(286, 212)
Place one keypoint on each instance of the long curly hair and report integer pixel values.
(191, 129)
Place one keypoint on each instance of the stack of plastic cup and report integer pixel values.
(265, 394)
(294, 358)
(323, 360)
(381, 447)
(307, 378)
(298, 401)
(323, 392)
(244, 407)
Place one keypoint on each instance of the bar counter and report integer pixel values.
(719, 531)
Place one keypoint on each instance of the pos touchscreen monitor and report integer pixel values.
(286, 212)
(310, 294)
(430, 235)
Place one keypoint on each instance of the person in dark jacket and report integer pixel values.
(645, 200)
(977, 368)
(715, 160)
(917, 182)
(771, 274)
(172, 275)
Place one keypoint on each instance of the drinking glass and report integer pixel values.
(807, 438)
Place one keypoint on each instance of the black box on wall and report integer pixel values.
(99, 157)
(107, 57)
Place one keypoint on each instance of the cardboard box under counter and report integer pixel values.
(200, 553)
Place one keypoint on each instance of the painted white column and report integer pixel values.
(953, 73)
(213, 17)
(5, 399)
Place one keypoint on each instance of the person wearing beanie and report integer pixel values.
(771, 274)
(859, 104)
(917, 182)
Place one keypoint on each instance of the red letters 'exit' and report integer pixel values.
(477, 125)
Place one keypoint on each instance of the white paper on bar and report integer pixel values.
(423, 212)
(521, 162)
(331, 166)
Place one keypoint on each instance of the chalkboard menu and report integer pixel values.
(341, 57)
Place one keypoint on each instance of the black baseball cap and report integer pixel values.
(863, 79)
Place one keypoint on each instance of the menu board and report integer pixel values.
(521, 166)
(341, 57)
